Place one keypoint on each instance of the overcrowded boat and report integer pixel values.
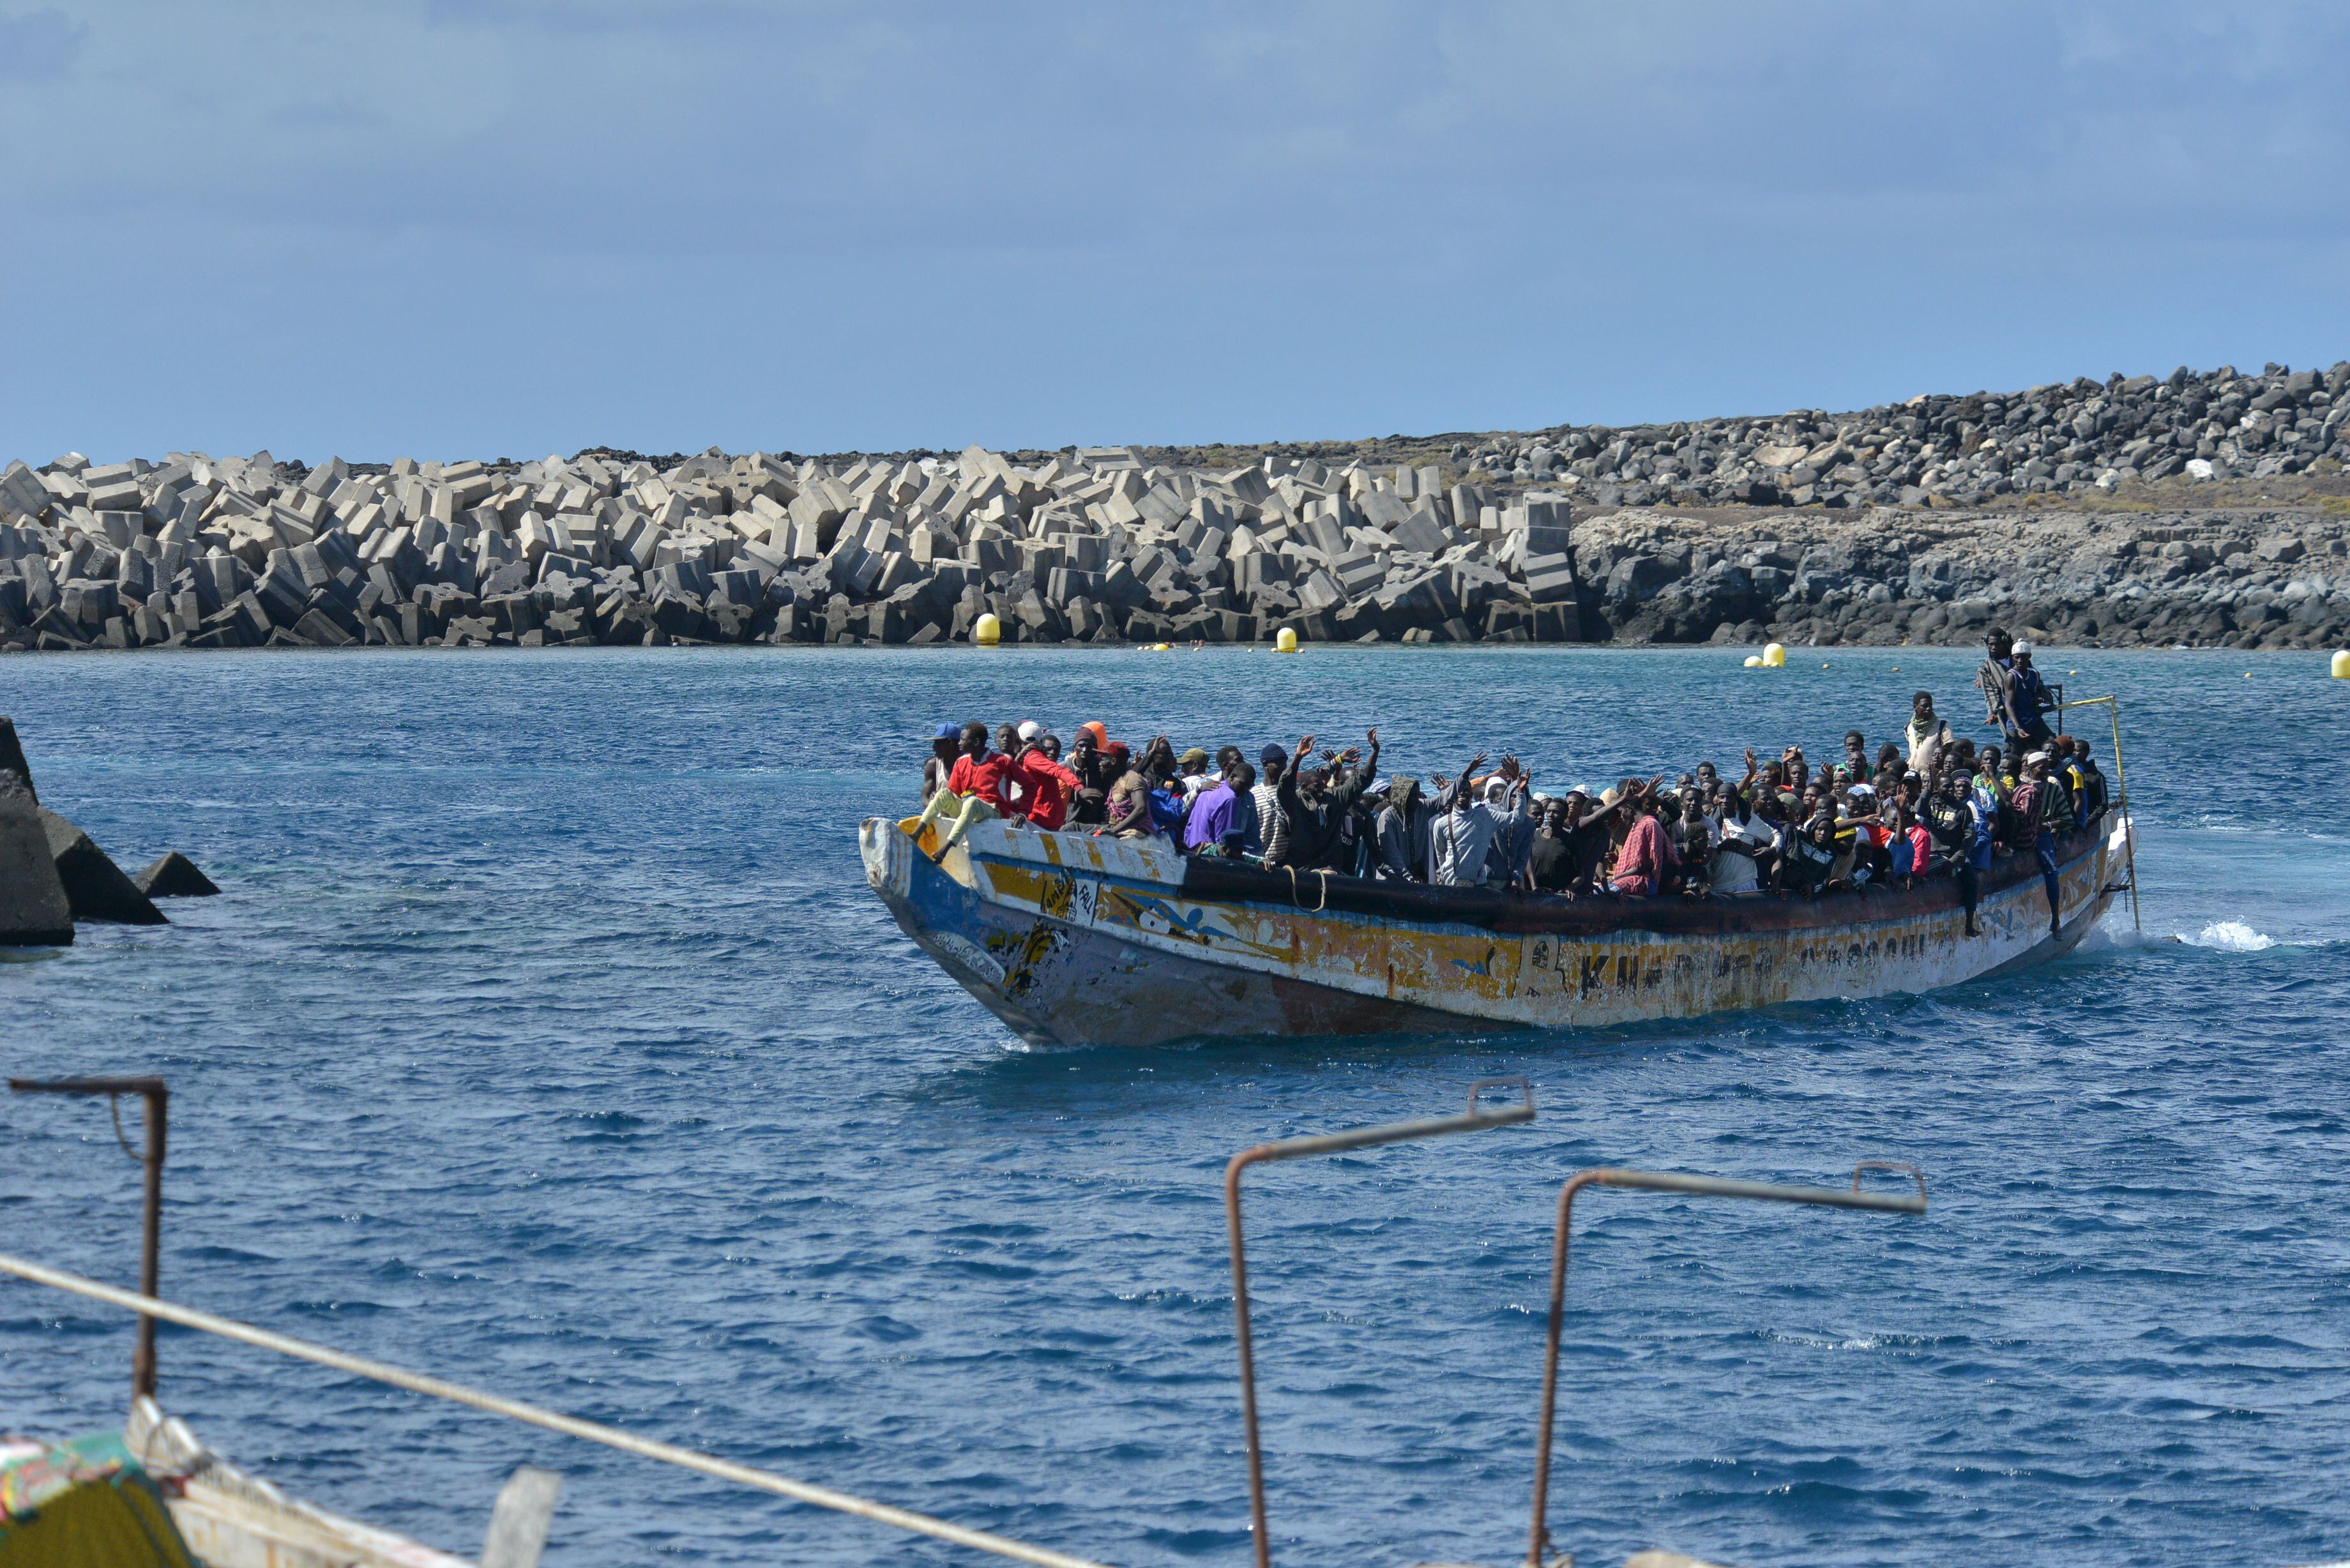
(1121, 898)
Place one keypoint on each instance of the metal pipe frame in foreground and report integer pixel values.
(553, 1421)
(151, 1240)
(1538, 1537)
(1472, 1120)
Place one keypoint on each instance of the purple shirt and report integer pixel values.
(1211, 818)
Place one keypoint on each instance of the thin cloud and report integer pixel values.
(39, 45)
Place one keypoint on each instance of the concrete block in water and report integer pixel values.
(1550, 579)
(14, 769)
(94, 887)
(34, 908)
(317, 628)
(174, 877)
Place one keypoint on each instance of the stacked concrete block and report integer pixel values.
(1552, 534)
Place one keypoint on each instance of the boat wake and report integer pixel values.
(2229, 936)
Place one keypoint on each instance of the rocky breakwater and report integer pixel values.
(2196, 508)
(1081, 546)
(2064, 438)
(2258, 577)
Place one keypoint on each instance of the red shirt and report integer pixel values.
(1047, 786)
(984, 778)
(1050, 788)
(1642, 862)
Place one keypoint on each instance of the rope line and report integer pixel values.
(114, 1107)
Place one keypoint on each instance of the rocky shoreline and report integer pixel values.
(2197, 510)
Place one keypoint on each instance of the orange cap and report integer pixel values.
(1100, 735)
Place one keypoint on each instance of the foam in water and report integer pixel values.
(2229, 936)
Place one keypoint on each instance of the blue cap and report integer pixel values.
(946, 733)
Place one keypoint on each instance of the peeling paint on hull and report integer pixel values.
(1075, 941)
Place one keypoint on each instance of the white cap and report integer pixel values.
(1031, 730)
(2020, 650)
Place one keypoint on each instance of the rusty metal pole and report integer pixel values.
(1538, 1533)
(2112, 706)
(1472, 1120)
(151, 1242)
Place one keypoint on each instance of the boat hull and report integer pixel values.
(1075, 941)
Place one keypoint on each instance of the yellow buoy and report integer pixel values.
(1775, 656)
(2341, 665)
(987, 631)
(1285, 640)
(1754, 661)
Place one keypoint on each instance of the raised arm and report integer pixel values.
(1359, 779)
(1461, 786)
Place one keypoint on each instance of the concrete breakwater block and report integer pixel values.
(174, 877)
(33, 909)
(95, 886)
(13, 764)
(2063, 512)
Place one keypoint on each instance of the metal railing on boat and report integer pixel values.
(1477, 1117)
(152, 1308)
(2113, 707)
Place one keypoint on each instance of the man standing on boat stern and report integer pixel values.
(2034, 804)
(2028, 702)
(1991, 675)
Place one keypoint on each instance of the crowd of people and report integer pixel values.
(1935, 804)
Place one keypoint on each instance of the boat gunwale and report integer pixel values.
(1315, 893)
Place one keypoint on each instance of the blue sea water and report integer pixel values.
(547, 1037)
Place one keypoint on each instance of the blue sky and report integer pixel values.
(507, 227)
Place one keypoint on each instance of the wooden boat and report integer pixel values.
(152, 1496)
(1077, 941)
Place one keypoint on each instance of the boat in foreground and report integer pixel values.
(1075, 941)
